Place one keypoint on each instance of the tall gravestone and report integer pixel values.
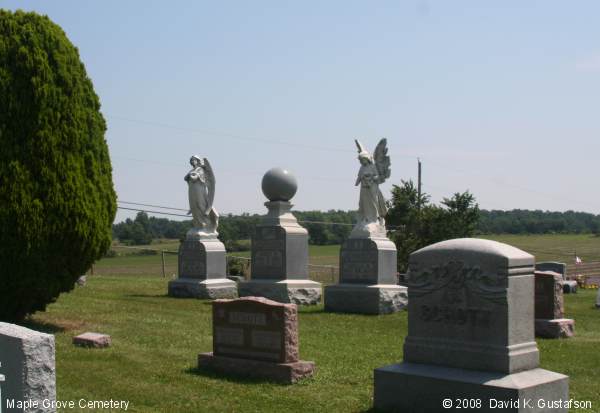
(368, 282)
(279, 265)
(28, 366)
(255, 336)
(202, 262)
(470, 334)
(550, 321)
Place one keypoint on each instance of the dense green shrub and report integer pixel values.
(57, 200)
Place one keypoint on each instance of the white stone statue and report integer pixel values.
(374, 170)
(201, 192)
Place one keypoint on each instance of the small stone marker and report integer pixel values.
(28, 367)
(258, 337)
(549, 307)
(81, 281)
(470, 333)
(95, 340)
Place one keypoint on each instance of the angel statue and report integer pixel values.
(374, 170)
(201, 192)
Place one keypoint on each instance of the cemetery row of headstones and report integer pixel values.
(279, 254)
(472, 317)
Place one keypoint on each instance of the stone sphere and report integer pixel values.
(279, 184)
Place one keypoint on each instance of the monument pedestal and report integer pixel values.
(365, 299)
(303, 292)
(368, 281)
(279, 266)
(202, 269)
(431, 388)
(557, 328)
(286, 373)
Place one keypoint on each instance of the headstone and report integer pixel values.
(470, 333)
(549, 307)
(202, 260)
(81, 281)
(598, 299)
(95, 340)
(28, 367)
(368, 281)
(279, 266)
(569, 286)
(257, 337)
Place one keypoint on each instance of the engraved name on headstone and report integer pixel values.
(268, 252)
(358, 262)
(255, 329)
(192, 260)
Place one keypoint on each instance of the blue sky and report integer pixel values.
(500, 98)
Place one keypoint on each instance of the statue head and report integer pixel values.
(365, 158)
(195, 161)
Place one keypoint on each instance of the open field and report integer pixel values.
(544, 247)
(156, 340)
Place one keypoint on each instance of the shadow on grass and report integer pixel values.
(147, 295)
(240, 379)
(42, 326)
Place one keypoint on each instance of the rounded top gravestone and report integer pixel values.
(279, 184)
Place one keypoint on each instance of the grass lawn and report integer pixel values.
(156, 340)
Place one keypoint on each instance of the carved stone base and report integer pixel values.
(557, 328)
(416, 388)
(196, 288)
(365, 299)
(286, 373)
(304, 292)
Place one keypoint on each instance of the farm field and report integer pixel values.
(544, 247)
(156, 339)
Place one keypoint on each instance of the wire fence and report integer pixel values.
(164, 263)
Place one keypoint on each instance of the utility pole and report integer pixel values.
(419, 185)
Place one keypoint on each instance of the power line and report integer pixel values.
(390, 228)
(153, 206)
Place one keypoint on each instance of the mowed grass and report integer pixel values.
(156, 340)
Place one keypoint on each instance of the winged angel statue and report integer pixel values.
(201, 192)
(374, 170)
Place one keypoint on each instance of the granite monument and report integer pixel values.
(549, 307)
(279, 249)
(28, 366)
(368, 282)
(470, 333)
(202, 260)
(569, 286)
(258, 337)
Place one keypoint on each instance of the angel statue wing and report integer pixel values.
(210, 184)
(382, 160)
(359, 146)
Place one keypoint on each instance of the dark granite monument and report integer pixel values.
(258, 337)
(470, 333)
(549, 307)
(569, 286)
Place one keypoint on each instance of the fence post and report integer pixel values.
(162, 257)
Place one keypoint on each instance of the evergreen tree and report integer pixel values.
(57, 201)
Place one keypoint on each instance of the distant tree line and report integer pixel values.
(456, 216)
(234, 229)
(522, 221)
